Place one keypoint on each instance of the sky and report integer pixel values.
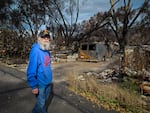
(90, 7)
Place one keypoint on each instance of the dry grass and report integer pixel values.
(110, 96)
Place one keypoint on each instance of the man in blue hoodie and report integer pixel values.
(39, 72)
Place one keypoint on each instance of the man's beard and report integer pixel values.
(45, 45)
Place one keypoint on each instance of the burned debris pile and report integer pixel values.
(107, 75)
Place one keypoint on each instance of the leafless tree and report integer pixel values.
(95, 24)
(123, 19)
(65, 18)
(55, 14)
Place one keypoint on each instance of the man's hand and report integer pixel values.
(35, 91)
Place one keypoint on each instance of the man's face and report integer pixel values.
(44, 43)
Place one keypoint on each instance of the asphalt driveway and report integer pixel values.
(16, 96)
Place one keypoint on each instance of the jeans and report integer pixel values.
(42, 97)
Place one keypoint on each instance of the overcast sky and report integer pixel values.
(90, 7)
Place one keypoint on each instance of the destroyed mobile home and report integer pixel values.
(97, 51)
(93, 51)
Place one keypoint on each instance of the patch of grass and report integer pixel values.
(110, 96)
(130, 84)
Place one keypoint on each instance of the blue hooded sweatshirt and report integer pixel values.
(39, 72)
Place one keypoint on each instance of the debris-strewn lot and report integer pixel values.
(64, 101)
(107, 74)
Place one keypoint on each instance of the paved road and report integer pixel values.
(16, 97)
